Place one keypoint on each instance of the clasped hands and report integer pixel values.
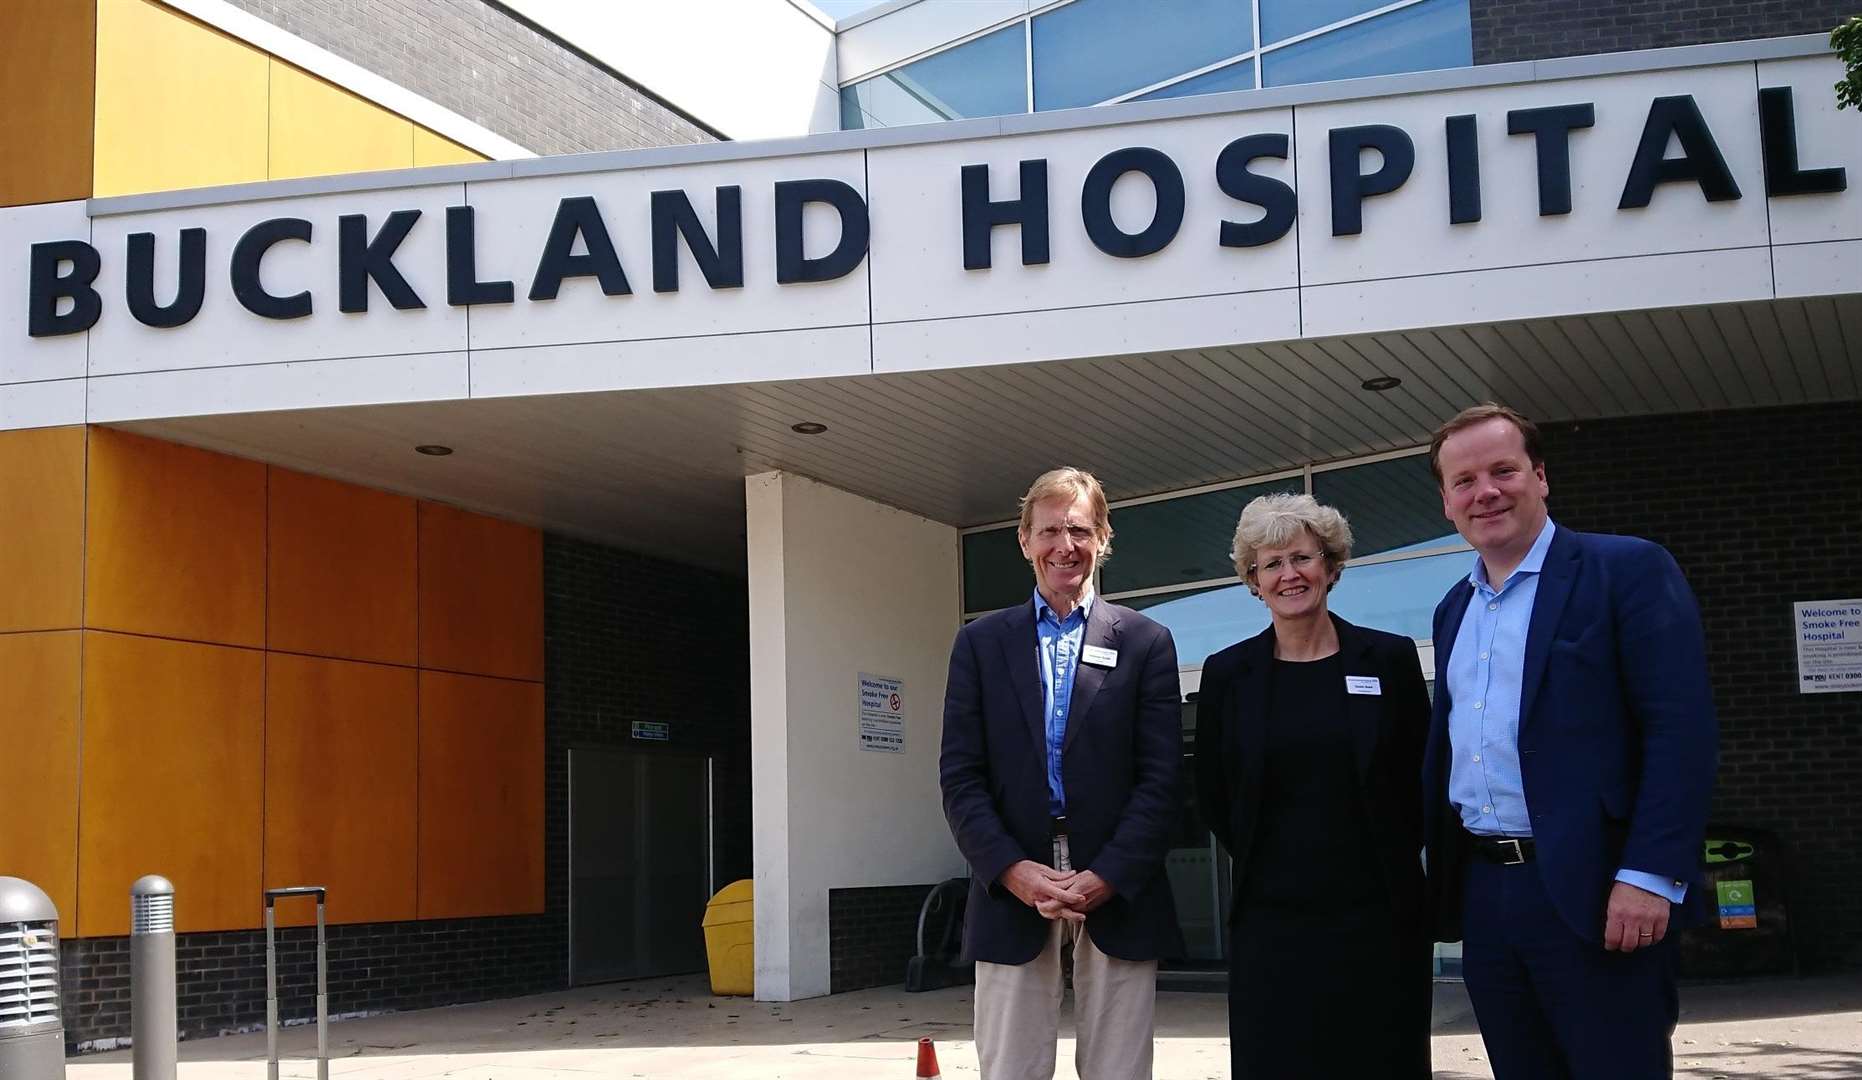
(1056, 894)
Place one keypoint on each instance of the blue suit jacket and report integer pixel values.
(1617, 739)
(1121, 763)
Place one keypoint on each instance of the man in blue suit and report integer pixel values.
(1060, 769)
(1569, 769)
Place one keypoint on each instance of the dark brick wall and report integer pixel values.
(1760, 508)
(476, 59)
(626, 637)
(871, 934)
(1506, 30)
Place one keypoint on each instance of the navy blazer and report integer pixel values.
(1390, 728)
(1617, 739)
(1121, 764)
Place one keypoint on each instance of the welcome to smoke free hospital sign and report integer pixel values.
(1829, 645)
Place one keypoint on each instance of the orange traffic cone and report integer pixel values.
(927, 1060)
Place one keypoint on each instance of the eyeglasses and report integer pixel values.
(1299, 559)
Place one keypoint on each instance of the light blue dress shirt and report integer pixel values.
(1486, 672)
(1058, 644)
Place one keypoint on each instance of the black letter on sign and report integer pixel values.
(981, 216)
(673, 216)
(1464, 171)
(462, 284)
(139, 286)
(47, 287)
(1096, 202)
(578, 216)
(1700, 160)
(1778, 131)
(1350, 187)
(1271, 195)
(359, 259)
(250, 251)
(792, 196)
(1551, 129)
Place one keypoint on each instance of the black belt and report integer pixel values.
(1057, 826)
(1505, 850)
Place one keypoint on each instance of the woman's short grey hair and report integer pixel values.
(1276, 521)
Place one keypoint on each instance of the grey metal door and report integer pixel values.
(639, 864)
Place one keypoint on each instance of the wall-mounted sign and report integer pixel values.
(882, 714)
(652, 731)
(1829, 645)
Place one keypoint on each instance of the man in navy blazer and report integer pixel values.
(1569, 769)
(1060, 770)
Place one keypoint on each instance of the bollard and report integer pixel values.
(271, 981)
(32, 1033)
(152, 1017)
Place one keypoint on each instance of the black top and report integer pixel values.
(1312, 817)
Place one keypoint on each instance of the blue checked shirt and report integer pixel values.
(1486, 672)
(1057, 646)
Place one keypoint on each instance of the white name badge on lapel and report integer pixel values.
(1099, 656)
(1363, 684)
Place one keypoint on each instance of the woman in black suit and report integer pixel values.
(1309, 746)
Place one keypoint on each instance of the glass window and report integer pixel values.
(1233, 77)
(1282, 19)
(1399, 596)
(985, 77)
(1091, 50)
(1391, 504)
(1432, 34)
(1175, 541)
(1207, 620)
(994, 573)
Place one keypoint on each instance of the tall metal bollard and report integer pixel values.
(152, 1016)
(32, 1032)
(272, 897)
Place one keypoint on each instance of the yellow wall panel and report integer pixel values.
(42, 538)
(481, 594)
(176, 541)
(318, 129)
(39, 730)
(173, 766)
(179, 104)
(481, 796)
(48, 62)
(340, 578)
(435, 149)
(340, 794)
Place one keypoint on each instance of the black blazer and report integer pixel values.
(1121, 764)
(1391, 726)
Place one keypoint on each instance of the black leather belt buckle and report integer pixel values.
(1057, 826)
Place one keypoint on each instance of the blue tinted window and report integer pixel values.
(1432, 34)
(985, 77)
(1399, 596)
(1391, 504)
(994, 573)
(1282, 19)
(1091, 50)
(1176, 541)
(1205, 622)
(1233, 77)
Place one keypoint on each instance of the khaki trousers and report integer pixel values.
(1018, 1009)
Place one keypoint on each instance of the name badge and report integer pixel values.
(1363, 684)
(1099, 656)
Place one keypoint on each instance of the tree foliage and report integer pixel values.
(1846, 39)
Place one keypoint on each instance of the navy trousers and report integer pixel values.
(1552, 1006)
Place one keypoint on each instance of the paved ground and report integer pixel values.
(1807, 1029)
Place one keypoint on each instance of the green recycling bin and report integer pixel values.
(1749, 929)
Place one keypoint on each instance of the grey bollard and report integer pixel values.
(152, 1017)
(32, 1032)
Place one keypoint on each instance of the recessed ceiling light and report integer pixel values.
(433, 449)
(1381, 383)
(808, 427)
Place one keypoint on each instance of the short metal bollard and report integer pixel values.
(153, 1025)
(32, 1031)
(271, 982)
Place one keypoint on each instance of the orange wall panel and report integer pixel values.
(481, 796)
(39, 729)
(340, 794)
(173, 767)
(48, 68)
(42, 546)
(340, 575)
(481, 594)
(176, 541)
